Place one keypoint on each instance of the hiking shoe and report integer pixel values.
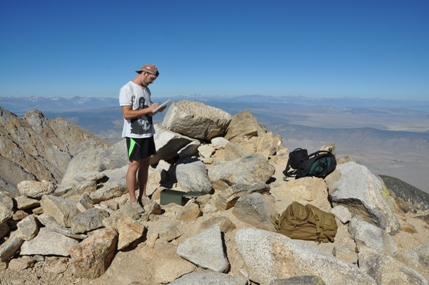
(137, 207)
(144, 201)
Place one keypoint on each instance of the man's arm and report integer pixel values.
(129, 113)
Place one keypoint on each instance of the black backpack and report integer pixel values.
(317, 164)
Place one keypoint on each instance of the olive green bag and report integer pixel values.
(307, 223)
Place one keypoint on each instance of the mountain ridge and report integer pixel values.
(20, 104)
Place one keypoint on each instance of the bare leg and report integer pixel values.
(133, 167)
(143, 176)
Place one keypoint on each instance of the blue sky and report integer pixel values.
(368, 49)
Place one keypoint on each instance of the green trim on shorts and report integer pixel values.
(132, 144)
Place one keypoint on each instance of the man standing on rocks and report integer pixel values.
(138, 130)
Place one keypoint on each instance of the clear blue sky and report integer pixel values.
(368, 49)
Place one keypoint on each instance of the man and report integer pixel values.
(138, 130)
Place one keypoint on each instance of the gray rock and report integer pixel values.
(208, 278)
(75, 189)
(344, 253)
(189, 150)
(126, 209)
(387, 270)
(23, 202)
(84, 203)
(168, 144)
(250, 169)
(192, 176)
(110, 190)
(117, 174)
(19, 215)
(61, 209)
(166, 231)
(362, 193)
(85, 161)
(27, 228)
(227, 198)
(205, 250)
(368, 235)
(423, 253)
(299, 280)
(206, 150)
(10, 247)
(51, 224)
(114, 156)
(219, 142)
(107, 206)
(88, 220)
(6, 207)
(89, 176)
(48, 243)
(196, 120)
(269, 256)
(255, 210)
(36, 189)
(342, 213)
(417, 258)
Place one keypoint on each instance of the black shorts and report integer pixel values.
(140, 148)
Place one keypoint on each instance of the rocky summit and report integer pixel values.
(214, 187)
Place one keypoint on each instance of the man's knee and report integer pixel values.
(133, 165)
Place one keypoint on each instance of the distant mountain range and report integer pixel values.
(22, 104)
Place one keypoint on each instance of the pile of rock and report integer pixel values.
(36, 148)
(224, 235)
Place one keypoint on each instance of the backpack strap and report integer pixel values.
(319, 152)
(288, 172)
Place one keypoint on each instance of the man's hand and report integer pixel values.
(153, 106)
(160, 109)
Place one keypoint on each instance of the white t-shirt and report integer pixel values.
(138, 97)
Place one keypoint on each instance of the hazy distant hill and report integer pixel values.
(390, 137)
(22, 104)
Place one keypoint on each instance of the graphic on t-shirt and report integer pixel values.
(143, 124)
